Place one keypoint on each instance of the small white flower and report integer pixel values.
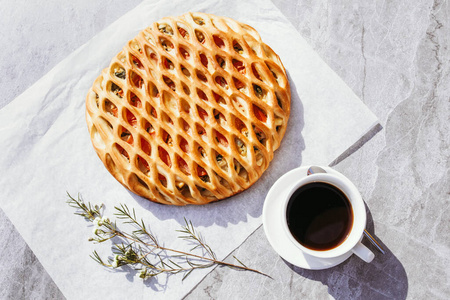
(116, 261)
(97, 231)
(97, 222)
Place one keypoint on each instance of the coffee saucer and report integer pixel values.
(277, 236)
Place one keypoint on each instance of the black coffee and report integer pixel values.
(319, 216)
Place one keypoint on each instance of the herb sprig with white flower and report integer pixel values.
(141, 250)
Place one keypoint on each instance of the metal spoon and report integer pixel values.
(315, 169)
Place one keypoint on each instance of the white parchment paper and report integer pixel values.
(46, 150)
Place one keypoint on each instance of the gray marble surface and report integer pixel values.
(395, 57)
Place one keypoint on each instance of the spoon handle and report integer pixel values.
(373, 241)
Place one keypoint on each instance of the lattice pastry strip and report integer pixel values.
(190, 111)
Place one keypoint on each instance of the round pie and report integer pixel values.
(190, 111)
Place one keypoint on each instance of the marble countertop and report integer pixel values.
(394, 56)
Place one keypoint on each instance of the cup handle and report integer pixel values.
(363, 252)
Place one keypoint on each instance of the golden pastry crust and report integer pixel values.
(190, 111)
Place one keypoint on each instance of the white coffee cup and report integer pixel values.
(353, 240)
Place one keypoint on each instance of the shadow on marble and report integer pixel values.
(23, 275)
(383, 278)
(235, 210)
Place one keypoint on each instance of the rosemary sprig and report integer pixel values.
(86, 211)
(196, 238)
(140, 249)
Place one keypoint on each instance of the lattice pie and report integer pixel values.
(190, 111)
